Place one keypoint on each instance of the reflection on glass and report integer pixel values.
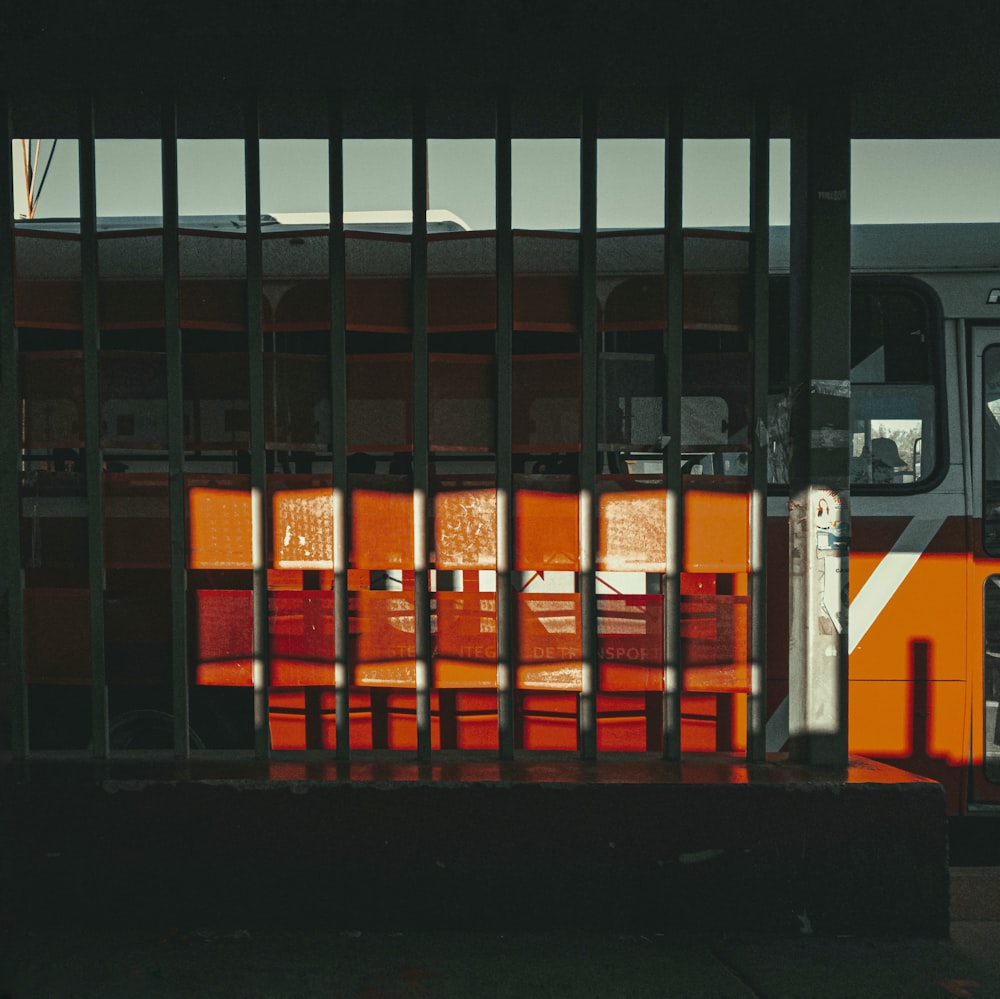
(991, 675)
(894, 391)
(991, 450)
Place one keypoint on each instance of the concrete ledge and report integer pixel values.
(710, 844)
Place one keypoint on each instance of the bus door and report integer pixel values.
(984, 597)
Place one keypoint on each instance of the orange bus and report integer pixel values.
(251, 645)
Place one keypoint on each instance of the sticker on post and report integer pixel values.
(832, 545)
(830, 533)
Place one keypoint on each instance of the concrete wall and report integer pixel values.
(823, 856)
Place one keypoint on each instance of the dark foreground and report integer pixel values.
(233, 889)
(230, 961)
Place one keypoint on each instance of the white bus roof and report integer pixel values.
(438, 220)
(936, 248)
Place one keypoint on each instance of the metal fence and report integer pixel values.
(125, 623)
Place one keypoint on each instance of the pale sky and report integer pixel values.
(893, 181)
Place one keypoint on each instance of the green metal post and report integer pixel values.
(175, 431)
(93, 463)
(759, 265)
(12, 666)
(338, 428)
(673, 355)
(258, 454)
(421, 428)
(819, 491)
(505, 598)
(588, 431)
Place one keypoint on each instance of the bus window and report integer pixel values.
(894, 391)
(892, 434)
(991, 450)
(704, 423)
(991, 676)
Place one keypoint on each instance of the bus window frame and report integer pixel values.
(935, 324)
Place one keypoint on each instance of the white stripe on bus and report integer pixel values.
(882, 584)
(869, 602)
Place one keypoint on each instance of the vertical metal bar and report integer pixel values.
(175, 430)
(506, 610)
(93, 463)
(12, 663)
(819, 476)
(588, 427)
(338, 427)
(258, 456)
(421, 428)
(759, 266)
(673, 355)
